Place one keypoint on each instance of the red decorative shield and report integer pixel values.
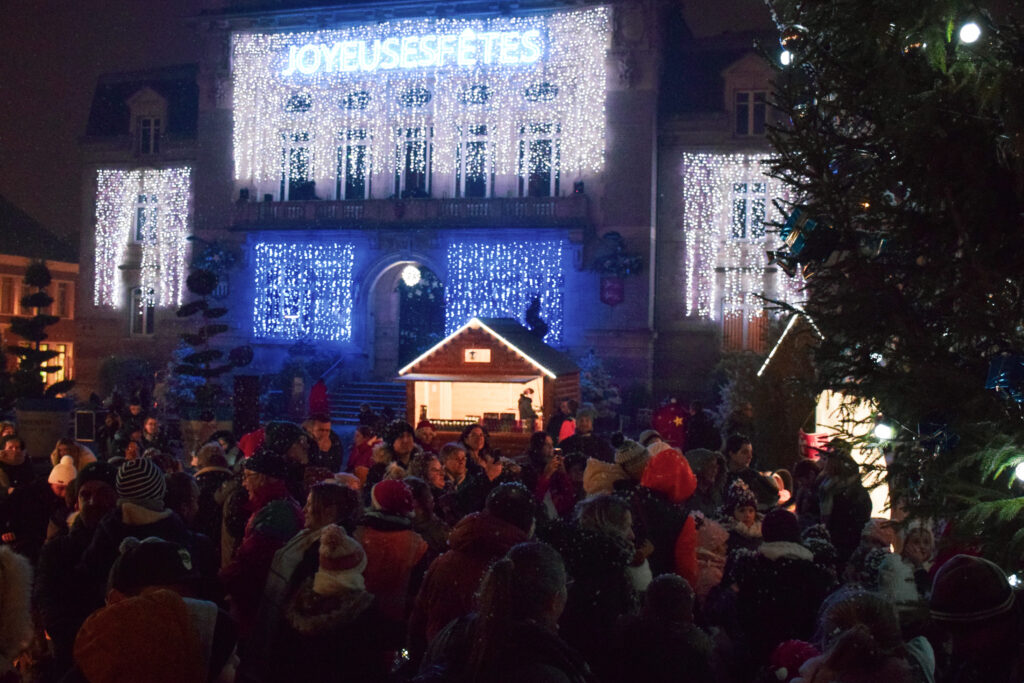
(613, 291)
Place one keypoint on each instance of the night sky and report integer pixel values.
(52, 52)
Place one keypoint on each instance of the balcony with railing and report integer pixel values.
(541, 212)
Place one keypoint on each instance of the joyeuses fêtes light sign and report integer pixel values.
(467, 48)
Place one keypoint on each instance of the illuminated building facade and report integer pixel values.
(330, 147)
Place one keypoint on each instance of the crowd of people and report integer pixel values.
(586, 558)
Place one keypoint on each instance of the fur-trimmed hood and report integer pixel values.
(313, 614)
(785, 549)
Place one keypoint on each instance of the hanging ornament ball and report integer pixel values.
(792, 37)
(411, 275)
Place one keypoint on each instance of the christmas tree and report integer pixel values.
(900, 133)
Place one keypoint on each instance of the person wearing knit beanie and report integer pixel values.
(141, 482)
(62, 474)
(632, 458)
(392, 496)
(342, 562)
(97, 471)
(267, 462)
(780, 525)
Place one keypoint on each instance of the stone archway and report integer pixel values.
(384, 318)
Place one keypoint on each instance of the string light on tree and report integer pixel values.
(399, 84)
(970, 32)
(501, 279)
(153, 205)
(303, 291)
(726, 202)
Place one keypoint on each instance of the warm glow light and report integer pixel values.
(152, 208)
(884, 431)
(395, 85)
(726, 202)
(1019, 471)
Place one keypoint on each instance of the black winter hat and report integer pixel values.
(268, 462)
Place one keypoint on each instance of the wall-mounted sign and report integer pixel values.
(467, 48)
(476, 356)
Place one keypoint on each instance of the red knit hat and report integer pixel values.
(789, 656)
(392, 495)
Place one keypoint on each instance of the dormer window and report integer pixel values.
(148, 128)
(751, 109)
(149, 120)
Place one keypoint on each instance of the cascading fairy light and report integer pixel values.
(501, 279)
(303, 291)
(426, 80)
(726, 199)
(164, 230)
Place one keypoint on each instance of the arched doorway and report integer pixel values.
(420, 312)
(406, 314)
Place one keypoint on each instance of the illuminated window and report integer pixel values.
(353, 180)
(63, 359)
(540, 150)
(296, 176)
(142, 313)
(751, 107)
(748, 210)
(148, 131)
(412, 175)
(474, 175)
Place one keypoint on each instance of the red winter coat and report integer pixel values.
(393, 549)
(448, 588)
(669, 473)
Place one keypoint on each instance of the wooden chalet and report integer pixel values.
(477, 374)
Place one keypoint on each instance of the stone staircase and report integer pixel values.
(346, 399)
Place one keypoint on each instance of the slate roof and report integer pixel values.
(109, 115)
(22, 235)
(692, 81)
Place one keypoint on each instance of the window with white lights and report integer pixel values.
(540, 149)
(750, 112)
(146, 214)
(147, 131)
(415, 101)
(303, 291)
(353, 181)
(474, 176)
(501, 278)
(749, 200)
(415, 148)
(296, 173)
(726, 203)
(142, 313)
(153, 209)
